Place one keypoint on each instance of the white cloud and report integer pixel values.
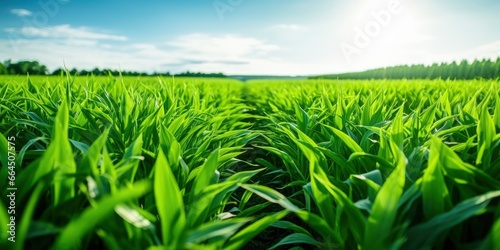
(10, 30)
(489, 50)
(196, 52)
(225, 46)
(228, 53)
(63, 31)
(21, 12)
(76, 53)
(493, 48)
(87, 49)
(290, 27)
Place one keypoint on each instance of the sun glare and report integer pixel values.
(382, 31)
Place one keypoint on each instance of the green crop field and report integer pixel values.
(185, 163)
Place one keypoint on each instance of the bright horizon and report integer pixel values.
(238, 37)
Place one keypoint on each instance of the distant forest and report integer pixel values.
(35, 68)
(464, 70)
(485, 68)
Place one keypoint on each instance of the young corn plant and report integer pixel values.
(189, 163)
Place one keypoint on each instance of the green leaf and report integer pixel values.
(41, 228)
(4, 220)
(247, 234)
(379, 228)
(205, 176)
(297, 238)
(425, 235)
(319, 225)
(383, 163)
(27, 216)
(291, 226)
(77, 229)
(4, 155)
(133, 217)
(59, 157)
(397, 128)
(209, 201)
(127, 167)
(464, 173)
(493, 239)
(356, 220)
(90, 161)
(173, 149)
(349, 142)
(496, 117)
(435, 196)
(216, 230)
(271, 195)
(486, 133)
(169, 204)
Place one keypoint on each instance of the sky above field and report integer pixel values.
(275, 37)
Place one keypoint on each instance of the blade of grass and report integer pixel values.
(379, 228)
(77, 229)
(248, 233)
(169, 204)
(435, 196)
(425, 235)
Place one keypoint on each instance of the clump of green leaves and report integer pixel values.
(154, 163)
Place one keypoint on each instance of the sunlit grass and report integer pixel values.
(138, 163)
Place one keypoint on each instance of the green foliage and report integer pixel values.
(485, 68)
(23, 68)
(154, 163)
(36, 68)
(3, 70)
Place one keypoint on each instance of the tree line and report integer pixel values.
(486, 68)
(35, 68)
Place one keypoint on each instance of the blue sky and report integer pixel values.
(293, 37)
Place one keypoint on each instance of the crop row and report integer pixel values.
(131, 163)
